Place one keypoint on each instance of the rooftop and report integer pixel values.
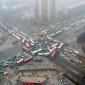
(33, 79)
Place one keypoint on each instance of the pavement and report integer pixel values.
(32, 72)
(55, 77)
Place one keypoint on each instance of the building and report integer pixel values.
(1, 4)
(33, 80)
(45, 10)
(51, 9)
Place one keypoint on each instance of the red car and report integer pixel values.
(28, 58)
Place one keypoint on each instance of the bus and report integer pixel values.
(37, 51)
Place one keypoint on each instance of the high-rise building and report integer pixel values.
(1, 3)
(51, 9)
(46, 9)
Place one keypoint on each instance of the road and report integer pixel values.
(71, 34)
(70, 68)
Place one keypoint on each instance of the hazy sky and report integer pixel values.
(63, 3)
(60, 3)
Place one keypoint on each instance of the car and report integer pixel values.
(5, 73)
(43, 54)
(27, 58)
(9, 31)
(5, 65)
(12, 66)
(76, 52)
(19, 61)
(37, 51)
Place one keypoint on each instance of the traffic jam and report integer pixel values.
(39, 44)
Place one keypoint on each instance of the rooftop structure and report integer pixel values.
(33, 79)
